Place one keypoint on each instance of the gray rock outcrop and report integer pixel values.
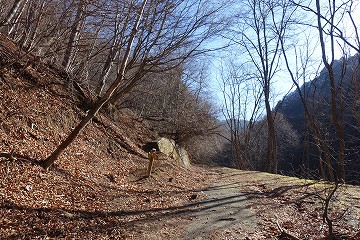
(169, 148)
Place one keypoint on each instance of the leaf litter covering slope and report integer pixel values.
(96, 189)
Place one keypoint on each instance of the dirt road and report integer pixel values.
(221, 211)
(225, 214)
(250, 206)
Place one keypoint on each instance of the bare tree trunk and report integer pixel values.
(324, 156)
(321, 145)
(128, 86)
(113, 53)
(271, 164)
(325, 215)
(339, 128)
(28, 31)
(32, 25)
(93, 111)
(106, 70)
(74, 36)
(238, 149)
(12, 13)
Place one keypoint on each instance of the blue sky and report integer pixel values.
(304, 36)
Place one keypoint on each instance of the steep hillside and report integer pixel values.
(99, 174)
(318, 97)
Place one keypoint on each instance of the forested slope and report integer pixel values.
(317, 97)
(100, 174)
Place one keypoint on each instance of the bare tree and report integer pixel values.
(41, 24)
(32, 24)
(181, 28)
(257, 35)
(242, 108)
(74, 34)
(51, 159)
(297, 73)
(121, 19)
(337, 32)
(336, 91)
(13, 15)
(164, 35)
(172, 107)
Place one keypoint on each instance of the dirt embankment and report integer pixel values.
(96, 188)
